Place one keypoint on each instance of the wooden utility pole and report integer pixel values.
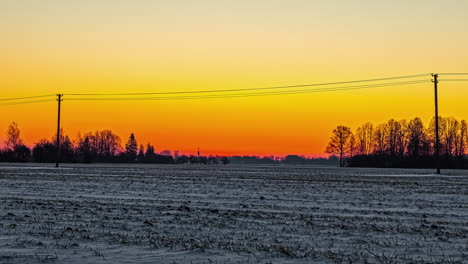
(437, 143)
(59, 100)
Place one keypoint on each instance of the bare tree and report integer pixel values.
(100, 144)
(394, 137)
(364, 137)
(339, 142)
(432, 137)
(380, 134)
(13, 137)
(466, 137)
(416, 137)
(460, 145)
(452, 135)
(110, 143)
(449, 135)
(402, 137)
(352, 145)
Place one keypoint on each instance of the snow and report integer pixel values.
(231, 214)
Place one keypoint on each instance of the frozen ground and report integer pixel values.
(231, 214)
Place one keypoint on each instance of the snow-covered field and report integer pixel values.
(231, 214)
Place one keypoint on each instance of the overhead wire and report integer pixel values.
(26, 102)
(252, 89)
(328, 89)
(233, 93)
(453, 73)
(27, 97)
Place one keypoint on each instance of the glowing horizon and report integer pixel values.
(107, 46)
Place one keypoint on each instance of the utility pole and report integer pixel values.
(437, 143)
(59, 100)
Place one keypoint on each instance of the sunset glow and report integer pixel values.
(50, 47)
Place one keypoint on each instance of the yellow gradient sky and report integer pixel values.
(110, 46)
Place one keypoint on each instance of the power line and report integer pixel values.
(231, 95)
(454, 80)
(252, 89)
(453, 73)
(220, 91)
(245, 89)
(27, 102)
(252, 94)
(332, 89)
(28, 97)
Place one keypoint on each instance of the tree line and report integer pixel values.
(401, 143)
(98, 146)
(289, 159)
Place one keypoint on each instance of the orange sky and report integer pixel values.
(144, 46)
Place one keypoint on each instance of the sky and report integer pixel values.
(116, 46)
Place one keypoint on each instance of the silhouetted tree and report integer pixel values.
(431, 134)
(416, 137)
(339, 142)
(141, 153)
(15, 150)
(109, 143)
(13, 136)
(352, 145)
(44, 151)
(131, 148)
(461, 140)
(150, 155)
(85, 150)
(21, 153)
(402, 137)
(103, 145)
(410, 144)
(67, 150)
(380, 135)
(67, 153)
(364, 138)
(450, 135)
(394, 138)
